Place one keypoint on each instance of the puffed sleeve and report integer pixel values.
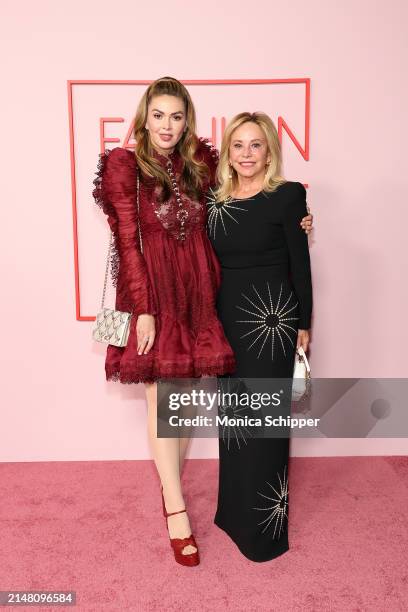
(116, 193)
(210, 156)
(294, 209)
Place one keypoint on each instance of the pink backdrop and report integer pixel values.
(56, 403)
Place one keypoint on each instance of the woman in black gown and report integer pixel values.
(264, 304)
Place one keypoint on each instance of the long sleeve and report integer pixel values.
(116, 193)
(294, 209)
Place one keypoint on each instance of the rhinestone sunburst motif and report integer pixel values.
(278, 509)
(221, 212)
(269, 320)
(233, 410)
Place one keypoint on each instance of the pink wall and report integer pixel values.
(56, 404)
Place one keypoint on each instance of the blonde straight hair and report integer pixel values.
(273, 174)
(194, 172)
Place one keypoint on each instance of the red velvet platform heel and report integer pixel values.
(178, 544)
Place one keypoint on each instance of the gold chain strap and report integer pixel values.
(138, 212)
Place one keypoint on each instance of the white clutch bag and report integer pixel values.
(301, 375)
(113, 326)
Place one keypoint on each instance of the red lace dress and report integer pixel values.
(175, 279)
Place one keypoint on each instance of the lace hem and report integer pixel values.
(197, 370)
(102, 201)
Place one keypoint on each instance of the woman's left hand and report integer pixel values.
(303, 339)
(307, 223)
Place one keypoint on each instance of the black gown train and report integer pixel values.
(265, 297)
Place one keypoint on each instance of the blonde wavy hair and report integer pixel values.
(194, 172)
(273, 175)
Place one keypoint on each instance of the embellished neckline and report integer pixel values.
(164, 159)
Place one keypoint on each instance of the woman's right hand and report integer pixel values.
(146, 333)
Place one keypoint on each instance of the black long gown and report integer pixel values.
(265, 297)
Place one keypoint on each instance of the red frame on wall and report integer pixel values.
(304, 151)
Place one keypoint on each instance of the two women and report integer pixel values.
(166, 272)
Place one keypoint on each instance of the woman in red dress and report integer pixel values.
(170, 287)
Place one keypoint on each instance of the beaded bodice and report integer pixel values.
(180, 215)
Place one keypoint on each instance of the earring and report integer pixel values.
(230, 171)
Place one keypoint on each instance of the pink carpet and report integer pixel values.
(96, 528)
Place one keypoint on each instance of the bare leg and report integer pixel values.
(166, 455)
(184, 442)
(187, 431)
